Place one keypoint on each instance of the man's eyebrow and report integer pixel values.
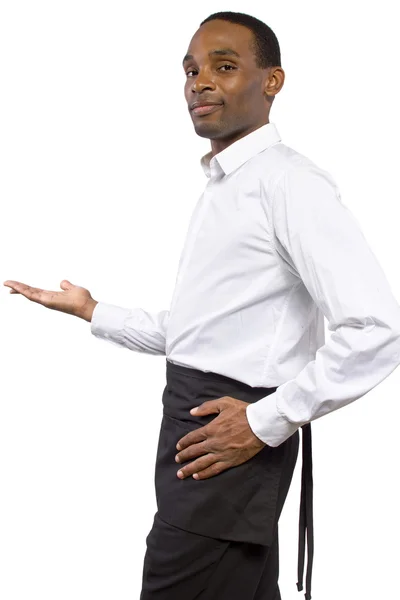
(220, 52)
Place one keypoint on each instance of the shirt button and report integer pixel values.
(106, 335)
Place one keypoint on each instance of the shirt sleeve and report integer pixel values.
(321, 241)
(134, 328)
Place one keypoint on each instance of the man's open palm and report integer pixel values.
(74, 300)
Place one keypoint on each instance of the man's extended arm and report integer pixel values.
(133, 328)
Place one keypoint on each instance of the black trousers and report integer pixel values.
(180, 565)
(216, 538)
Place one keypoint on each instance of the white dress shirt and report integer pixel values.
(270, 250)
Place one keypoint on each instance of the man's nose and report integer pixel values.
(203, 80)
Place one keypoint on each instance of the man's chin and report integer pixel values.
(207, 130)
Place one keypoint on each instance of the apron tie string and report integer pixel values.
(306, 513)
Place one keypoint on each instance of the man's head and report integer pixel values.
(243, 83)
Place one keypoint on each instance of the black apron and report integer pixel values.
(243, 503)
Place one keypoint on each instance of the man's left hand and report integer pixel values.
(223, 443)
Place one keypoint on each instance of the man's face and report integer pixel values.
(231, 80)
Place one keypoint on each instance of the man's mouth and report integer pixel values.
(205, 110)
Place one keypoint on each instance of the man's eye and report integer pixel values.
(230, 66)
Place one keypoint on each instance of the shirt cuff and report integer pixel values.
(108, 322)
(267, 423)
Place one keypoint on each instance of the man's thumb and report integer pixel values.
(66, 285)
(205, 408)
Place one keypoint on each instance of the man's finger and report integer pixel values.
(191, 452)
(210, 406)
(21, 288)
(11, 283)
(197, 465)
(194, 437)
(34, 294)
(215, 469)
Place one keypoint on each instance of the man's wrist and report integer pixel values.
(267, 423)
(87, 311)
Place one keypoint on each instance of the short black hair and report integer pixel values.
(265, 42)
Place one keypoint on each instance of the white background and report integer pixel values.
(99, 174)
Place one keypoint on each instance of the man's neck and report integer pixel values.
(219, 145)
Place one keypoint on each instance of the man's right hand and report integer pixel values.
(74, 300)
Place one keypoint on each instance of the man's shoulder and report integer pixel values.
(280, 159)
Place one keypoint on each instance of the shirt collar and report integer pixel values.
(240, 151)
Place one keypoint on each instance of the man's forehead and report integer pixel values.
(235, 38)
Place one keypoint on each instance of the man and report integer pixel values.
(270, 250)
